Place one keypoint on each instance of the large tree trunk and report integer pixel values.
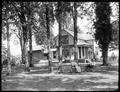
(30, 43)
(78, 69)
(25, 35)
(75, 33)
(60, 27)
(48, 35)
(26, 58)
(30, 46)
(105, 55)
(30, 34)
(49, 56)
(23, 53)
(8, 50)
(21, 45)
(59, 38)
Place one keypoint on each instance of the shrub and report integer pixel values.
(89, 67)
(5, 62)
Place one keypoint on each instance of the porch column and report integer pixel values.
(81, 52)
(84, 52)
(78, 52)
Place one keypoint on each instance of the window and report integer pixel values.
(54, 54)
(64, 39)
(66, 52)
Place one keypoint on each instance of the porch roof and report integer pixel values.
(36, 47)
(53, 49)
(82, 43)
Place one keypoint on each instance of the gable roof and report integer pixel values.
(81, 36)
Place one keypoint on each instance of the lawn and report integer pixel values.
(101, 79)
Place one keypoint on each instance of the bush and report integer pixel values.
(89, 67)
(5, 62)
(12, 62)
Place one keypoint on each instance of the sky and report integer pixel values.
(83, 24)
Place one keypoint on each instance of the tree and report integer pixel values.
(48, 34)
(42, 25)
(103, 28)
(60, 29)
(6, 14)
(14, 10)
(23, 20)
(30, 8)
(115, 35)
(61, 12)
(24, 13)
(8, 49)
(75, 31)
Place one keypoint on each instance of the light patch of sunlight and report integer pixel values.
(107, 79)
(105, 86)
(66, 80)
(57, 89)
(9, 80)
(21, 83)
(27, 89)
(16, 76)
(85, 89)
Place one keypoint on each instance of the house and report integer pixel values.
(85, 45)
(39, 52)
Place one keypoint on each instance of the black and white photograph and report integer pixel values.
(59, 46)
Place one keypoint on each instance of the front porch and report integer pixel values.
(83, 52)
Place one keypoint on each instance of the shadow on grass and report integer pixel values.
(52, 83)
(60, 82)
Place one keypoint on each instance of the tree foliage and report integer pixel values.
(39, 27)
(115, 35)
(103, 34)
(102, 24)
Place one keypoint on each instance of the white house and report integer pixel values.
(85, 47)
(85, 44)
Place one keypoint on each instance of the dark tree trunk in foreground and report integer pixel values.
(59, 39)
(75, 32)
(25, 35)
(8, 50)
(22, 52)
(30, 34)
(21, 45)
(30, 46)
(105, 55)
(48, 35)
(103, 28)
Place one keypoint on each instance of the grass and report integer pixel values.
(59, 82)
(100, 79)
